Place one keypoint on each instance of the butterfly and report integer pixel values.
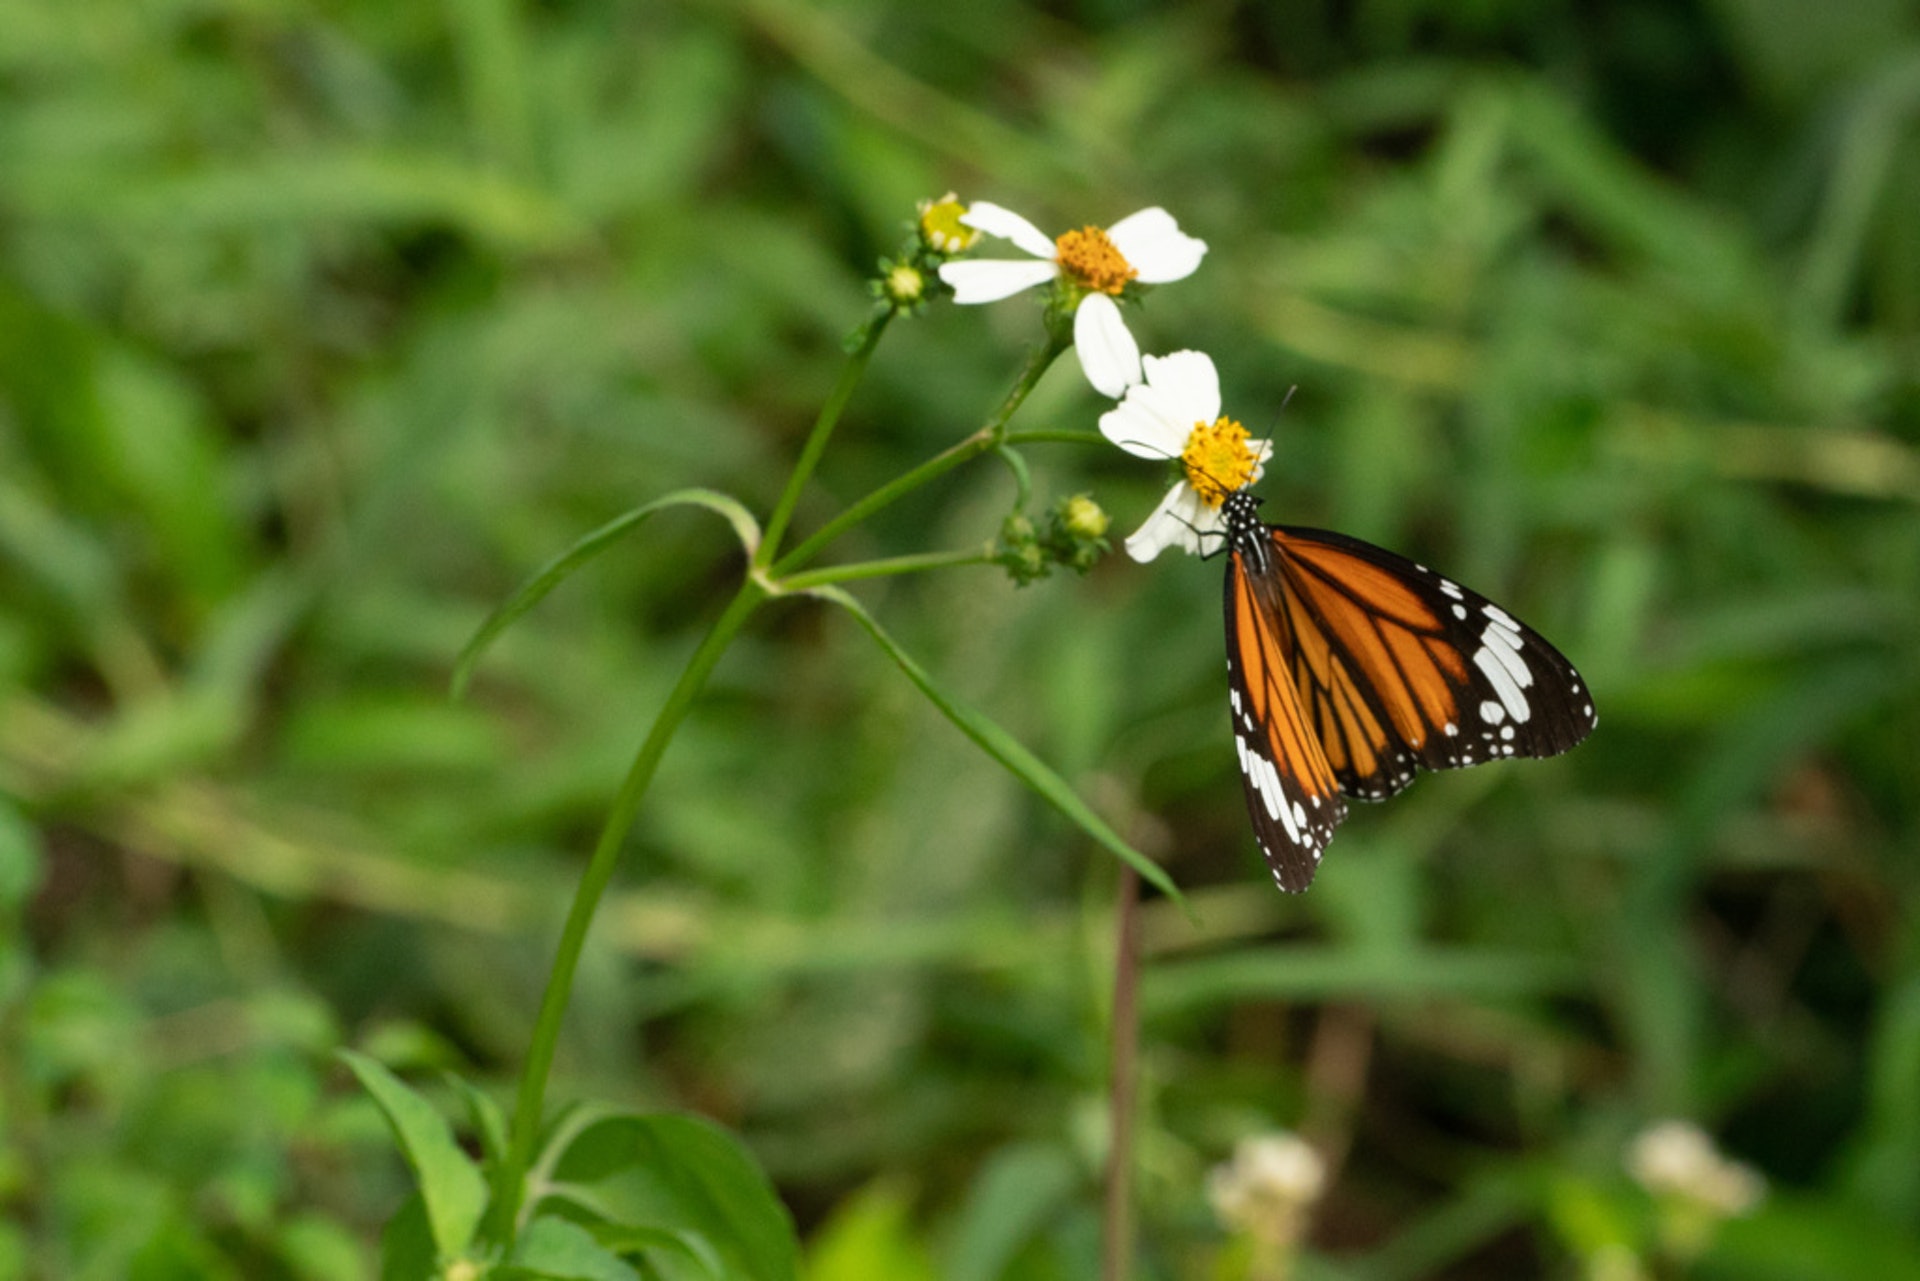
(1348, 666)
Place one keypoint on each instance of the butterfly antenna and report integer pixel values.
(1284, 402)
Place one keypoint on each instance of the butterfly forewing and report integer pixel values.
(1350, 666)
(1450, 678)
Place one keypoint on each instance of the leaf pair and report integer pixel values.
(612, 1191)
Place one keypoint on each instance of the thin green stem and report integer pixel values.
(817, 441)
(510, 1177)
(1022, 476)
(883, 568)
(987, 438)
(1055, 436)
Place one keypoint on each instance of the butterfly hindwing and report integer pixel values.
(1292, 794)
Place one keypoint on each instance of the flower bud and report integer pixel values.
(941, 229)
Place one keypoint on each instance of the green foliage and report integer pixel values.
(452, 1192)
(321, 328)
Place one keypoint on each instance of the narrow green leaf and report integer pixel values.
(689, 1176)
(554, 1249)
(21, 860)
(676, 1256)
(555, 571)
(450, 1184)
(1006, 749)
(406, 1246)
(488, 1121)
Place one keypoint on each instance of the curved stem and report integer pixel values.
(510, 1177)
(988, 437)
(817, 440)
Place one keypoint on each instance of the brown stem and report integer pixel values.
(1116, 1261)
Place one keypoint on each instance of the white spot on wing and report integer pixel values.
(1499, 657)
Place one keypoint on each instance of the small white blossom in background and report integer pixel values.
(1097, 264)
(1677, 1158)
(1696, 1187)
(1264, 1195)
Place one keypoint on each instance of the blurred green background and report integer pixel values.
(321, 326)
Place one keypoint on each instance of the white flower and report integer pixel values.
(1147, 246)
(1677, 1158)
(1268, 1188)
(1175, 413)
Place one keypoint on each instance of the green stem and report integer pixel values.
(510, 1178)
(817, 442)
(883, 568)
(987, 438)
(1056, 436)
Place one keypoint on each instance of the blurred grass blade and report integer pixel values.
(1006, 749)
(1318, 973)
(450, 1183)
(1022, 1191)
(555, 571)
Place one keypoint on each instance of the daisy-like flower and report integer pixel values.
(1175, 413)
(1147, 247)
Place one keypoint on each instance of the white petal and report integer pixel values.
(991, 279)
(1151, 422)
(1008, 225)
(1109, 356)
(1161, 529)
(1153, 245)
(1143, 433)
(1189, 381)
(1173, 524)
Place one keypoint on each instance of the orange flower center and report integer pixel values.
(1218, 460)
(1088, 257)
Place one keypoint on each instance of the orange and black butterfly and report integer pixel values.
(1348, 666)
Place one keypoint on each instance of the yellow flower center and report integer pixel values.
(1089, 257)
(941, 228)
(1218, 460)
